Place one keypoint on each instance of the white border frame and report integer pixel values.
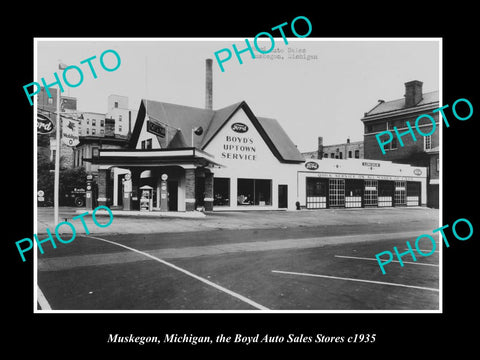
(35, 258)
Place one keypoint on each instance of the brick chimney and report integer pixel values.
(208, 85)
(320, 148)
(413, 93)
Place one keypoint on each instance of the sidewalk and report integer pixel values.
(138, 223)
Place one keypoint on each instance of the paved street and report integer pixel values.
(306, 260)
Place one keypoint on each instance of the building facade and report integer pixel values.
(118, 110)
(92, 124)
(360, 183)
(422, 151)
(177, 142)
(180, 158)
(347, 150)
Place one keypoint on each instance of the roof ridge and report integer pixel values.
(403, 98)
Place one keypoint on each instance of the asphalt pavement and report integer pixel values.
(280, 260)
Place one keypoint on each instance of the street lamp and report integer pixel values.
(56, 184)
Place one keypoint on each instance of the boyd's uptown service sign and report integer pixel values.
(239, 147)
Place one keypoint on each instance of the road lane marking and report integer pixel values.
(364, 258)
(186, 272)
(424, 250)
(358, 280)
(69, 262)
(42, 300)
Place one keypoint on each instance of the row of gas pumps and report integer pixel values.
(145, 193)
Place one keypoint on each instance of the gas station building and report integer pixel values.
(181, 158)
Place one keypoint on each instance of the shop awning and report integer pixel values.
(157, 157)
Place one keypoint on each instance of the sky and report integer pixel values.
(324, 96)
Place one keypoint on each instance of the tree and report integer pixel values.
(71, 179)
(45, 178)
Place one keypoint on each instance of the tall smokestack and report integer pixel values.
(208, 85)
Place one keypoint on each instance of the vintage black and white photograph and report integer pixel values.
(232, 175)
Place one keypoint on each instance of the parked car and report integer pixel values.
(76, 197)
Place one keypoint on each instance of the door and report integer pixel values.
(120, 190)
(172, 188)
(371, 193)
(282, 196)
(336, 192)
(400, 193)
(413, 193)
(316, 193)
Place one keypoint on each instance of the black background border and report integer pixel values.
(409, 334)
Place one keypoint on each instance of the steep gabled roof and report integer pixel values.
(280, 139)
(220, 117)
(179, 120)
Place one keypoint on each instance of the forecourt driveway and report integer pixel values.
(307, 260)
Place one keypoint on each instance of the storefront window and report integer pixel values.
(221, 192)
(254, 192)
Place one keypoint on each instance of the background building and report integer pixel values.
(395, 113)
(118, 110)
(347, 150)
(92, 124)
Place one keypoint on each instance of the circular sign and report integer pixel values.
(44, 124)
(417, 172)
(164, 177)
(310, 165)
(89, 187)
(127, 176)
(40, 193)
(239, 127)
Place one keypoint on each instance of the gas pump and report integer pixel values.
(89, 193)
(164, 193)
(146, 199)
(127, 192)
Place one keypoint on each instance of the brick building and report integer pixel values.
(347, 150)
(424, 151)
